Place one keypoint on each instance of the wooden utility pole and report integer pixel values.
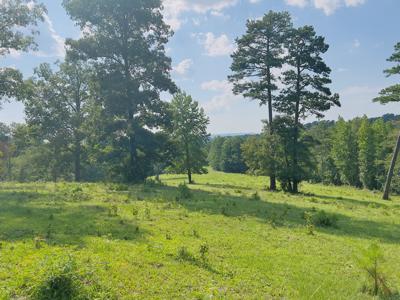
(391, 170)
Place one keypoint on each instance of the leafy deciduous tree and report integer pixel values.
(16, 17)
(367, 154)
(189, 131)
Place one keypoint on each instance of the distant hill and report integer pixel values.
(385, 117)
(213, 136)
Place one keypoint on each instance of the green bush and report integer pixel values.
(323, 219)
(370, 260)
(184, 192)
(61, 283)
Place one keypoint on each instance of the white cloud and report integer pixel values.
(59, 42)
(183, 67)
(216, 45)
(356, 43)
(224, 100)
(174, 9)
(354, 2)
(327, 6)
(341, 70)
(299, 3)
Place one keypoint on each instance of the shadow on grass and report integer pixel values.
(224, 186)
(348, 201)
(284, 214)
(28, 215)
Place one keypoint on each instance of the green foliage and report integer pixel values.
(184, 192)
(323, 219)
(392, 93)
(370, 261)
(189, 132)
(367, 154)
(345, 152)
(214, 153)
(305, 92)
(132, 70)
(62, 282)
(18, 21)
(226, 155)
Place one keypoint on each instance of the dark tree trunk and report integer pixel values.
(134, 173)
(188, 163)
(189, 173)
(295, 169)
(77, 159)
(272, 179)
(391, 170)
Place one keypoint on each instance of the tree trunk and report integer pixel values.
(133, 167)
(77, 159)
(272, 179)
(296, 135)
(77, 135)
(391, 170)
(188, 164)
(189, 173)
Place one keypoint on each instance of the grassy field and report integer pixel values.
(227, 238)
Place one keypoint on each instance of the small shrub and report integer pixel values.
(184, 192)
(196, 234)
(185, 255)
(204, 252)
(322, 219)
(370, 261)
(62, 283)
(113, 211)
(152, 183)
(255, 197)
(135, 212)
(147, 213)
(119, 187)
(39, 242)
(309, 223)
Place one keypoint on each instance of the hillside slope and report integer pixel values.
(226, 238)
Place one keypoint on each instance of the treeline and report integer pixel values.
(355, 152)
(98, 114)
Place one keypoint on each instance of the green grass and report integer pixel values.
(105, 241)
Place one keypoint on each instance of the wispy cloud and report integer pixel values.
(327, 6)
(174, 9)
(59, 42)
(183, 67)
(224, 99)
(215, 45)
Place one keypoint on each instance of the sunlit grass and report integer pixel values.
(127, 242)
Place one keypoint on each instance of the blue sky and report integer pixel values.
(361, 35)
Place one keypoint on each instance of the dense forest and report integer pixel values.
(355, 152)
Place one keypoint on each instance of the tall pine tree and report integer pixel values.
(255, 62)
(126, 40)
(306, 92)
(391, 94)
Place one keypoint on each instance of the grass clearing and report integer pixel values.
(228, 237)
